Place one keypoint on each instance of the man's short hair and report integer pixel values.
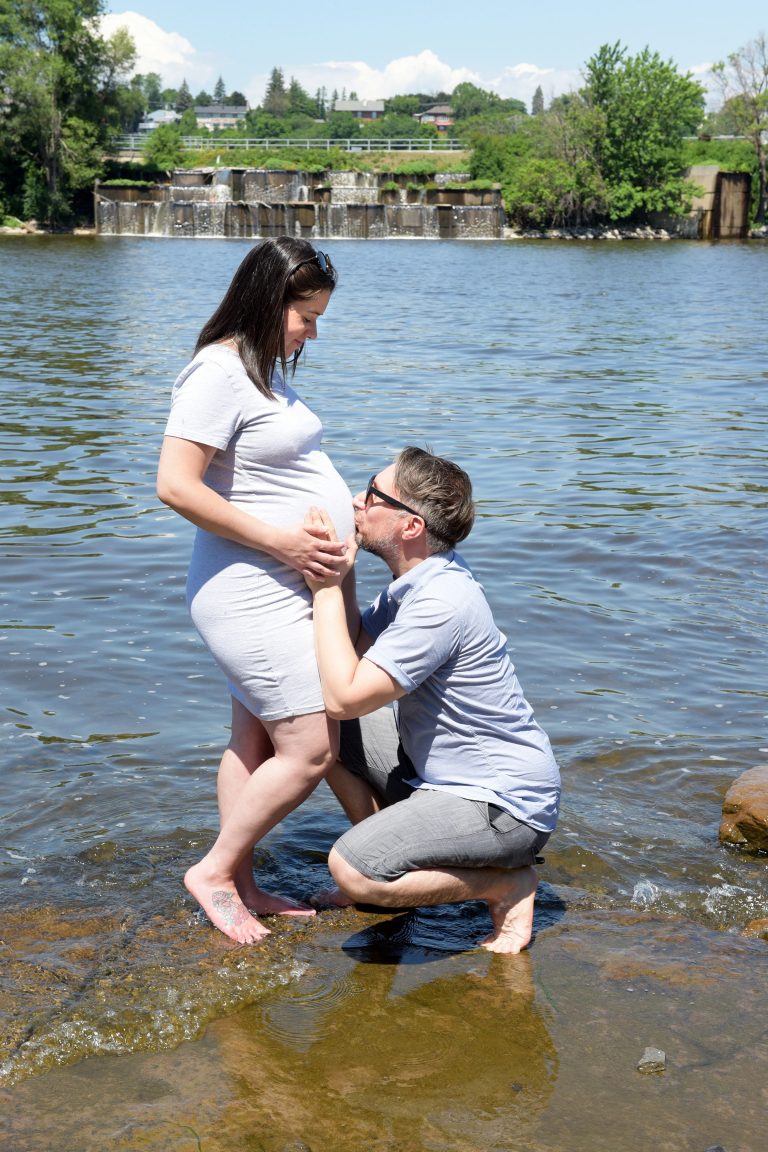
(439, 491)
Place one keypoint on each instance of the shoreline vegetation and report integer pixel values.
(608, 155)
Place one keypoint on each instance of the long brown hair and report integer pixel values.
(273, 274)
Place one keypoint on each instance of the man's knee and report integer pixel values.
(352, 882)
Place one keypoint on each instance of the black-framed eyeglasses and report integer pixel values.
(372, 490)
(323, 259)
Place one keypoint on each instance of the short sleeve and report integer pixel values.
(423, 637)
(204, 406)
(375, 618)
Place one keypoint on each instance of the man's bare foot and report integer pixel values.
(223, 906)
(511, 907)
(331, 898)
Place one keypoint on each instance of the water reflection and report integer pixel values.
(462, 1056)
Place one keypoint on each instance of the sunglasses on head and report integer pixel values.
(323, 259)
(372, 490)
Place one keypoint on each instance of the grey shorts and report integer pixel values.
(422, 827)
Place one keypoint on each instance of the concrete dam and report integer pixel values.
(257, 202)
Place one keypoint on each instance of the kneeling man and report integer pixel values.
(449, 782)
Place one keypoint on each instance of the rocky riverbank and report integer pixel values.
(616, 232)
(380, 1032)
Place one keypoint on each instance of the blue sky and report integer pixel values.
(400, 46)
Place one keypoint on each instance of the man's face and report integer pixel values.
(377, 523)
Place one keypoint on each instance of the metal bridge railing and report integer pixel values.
(137, 141)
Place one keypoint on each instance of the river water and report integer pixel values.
(609, 402)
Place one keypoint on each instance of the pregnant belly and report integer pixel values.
(286, 507)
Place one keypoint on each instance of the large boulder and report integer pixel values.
(745, 811)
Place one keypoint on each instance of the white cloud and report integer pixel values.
(159, 51)
(175, 58)
(422, 73)
(520, 81)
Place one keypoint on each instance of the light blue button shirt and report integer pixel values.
(464, 721)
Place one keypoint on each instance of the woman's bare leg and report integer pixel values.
(304, 748)
(359, 801)
(249, 747)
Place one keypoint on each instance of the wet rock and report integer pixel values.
(745, 811)
(757, 928)
(652, 1060)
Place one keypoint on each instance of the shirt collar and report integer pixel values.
(418, 575)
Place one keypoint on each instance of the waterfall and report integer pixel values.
(259, 202)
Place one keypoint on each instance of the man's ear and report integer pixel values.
(415, 528)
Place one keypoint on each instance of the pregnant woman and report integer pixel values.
(241, 459)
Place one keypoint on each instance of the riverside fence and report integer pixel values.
(136, 143)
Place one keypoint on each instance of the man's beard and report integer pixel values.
(380, 548)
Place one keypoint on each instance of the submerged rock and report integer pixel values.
(745, 811)
(757, 928)
(652, 1060)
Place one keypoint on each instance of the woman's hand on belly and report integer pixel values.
(309, 549)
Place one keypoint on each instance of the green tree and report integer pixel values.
(543, 193)
(131, 105)
(60, 88)
(647, 107)
(203, 99)
(300, 103)
(496, 157)
(275, 101)
(537, 104)
(219, 92)
(264, 126)
(393, 124)
(743, 81)
(469, 100)
(163, 148)
(236, 99)
(151, 85)
(404, 105)
(498, 122)
(546, 167)
(184, 98)
(188, 123)
(342, 126)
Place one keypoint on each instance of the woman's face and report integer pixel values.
(300, 321)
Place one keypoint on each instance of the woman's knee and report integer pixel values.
(307, 743)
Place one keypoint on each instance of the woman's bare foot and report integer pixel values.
(219, 900)
(331, 898)
(511, 908)
(262, 903)
(271, 904)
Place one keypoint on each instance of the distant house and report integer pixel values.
(441, 115)
(363, 109)
(216, 117)
(160, 116)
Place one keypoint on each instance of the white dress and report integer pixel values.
(253, 612)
